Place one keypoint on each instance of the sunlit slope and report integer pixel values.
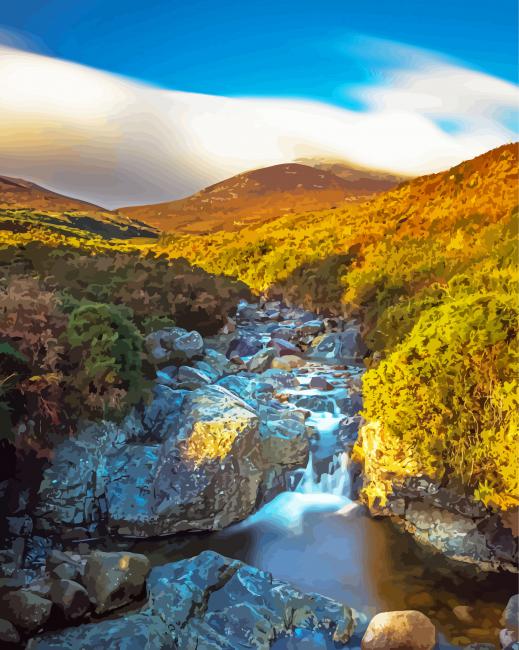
(257, 196)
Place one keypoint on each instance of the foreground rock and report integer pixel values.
(115, 579)
(407, 630)
(25, 610)
(213, 602)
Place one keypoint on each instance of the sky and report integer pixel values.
(171, 96)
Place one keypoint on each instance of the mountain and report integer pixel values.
(365, 181)
(25, 206)
(256, 196)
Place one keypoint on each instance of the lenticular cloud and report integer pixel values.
(115, 141)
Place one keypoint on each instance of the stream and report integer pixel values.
(315, 536)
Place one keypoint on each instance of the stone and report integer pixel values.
(24, 609)
(422, 600)
(173, 344)
(19, 526)
(192, 378)
(261, 361)
(464, 613)
(287, 362)
(404, 630)
(338, 347)
(115, 579)
(161, 418)
(284, 348)
(213, 602)
(71, 598)
(132, 632)
(283, 437)
(65, 571)
(243, 346)
(510, 616)
(8, 633)
(310, 328)
(507, 638)
(320, 383)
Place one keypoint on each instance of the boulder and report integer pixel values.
(8, 633)
(338, 347)
(283, 437)
(284, 347)
(510, 616)
(405, 630)
(115, 579)
(133, 632)
(279, 378)
(243, 346)
(288, 362)
(217, 361)
(24, 609)
(192, 378)
(161, 417)
(320, 383)
(262, 360)
(310, 328)
(213, 602)
(173, 344)
(71, 598)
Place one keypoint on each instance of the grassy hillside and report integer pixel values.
(430, 267)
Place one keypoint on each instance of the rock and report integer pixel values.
(19, 526)
(209, 371)
(173, 344)
(338, 347)
(243, 346)
(279, 378)
(132, 632)
(464, 613)
(167, 376)
(217, 361)
(65, 571)
(406, 630)
(261, 361)
(115, 579)
(161, 418)
(507, 638)
(310, 328)
(287, 362)
(283, 437)
(320, 383)
(24, 609)
(71, 598)
(213, 602)
(284, 348)
(510, 616)
(240, 386)
(284, 333)
(192, 378)
(8, 633)
(229, 327)
(422, 599)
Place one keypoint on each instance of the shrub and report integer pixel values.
(105, 352)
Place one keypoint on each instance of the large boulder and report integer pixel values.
(406, 630)
(217, 603)
(244, 345)
(173, 344)
(70, 598)
(283, 437)
(338, 347)
(115, 579)
(143, 631)
(24, 609)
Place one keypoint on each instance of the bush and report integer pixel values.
(105, 351)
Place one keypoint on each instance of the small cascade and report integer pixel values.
(335, 482)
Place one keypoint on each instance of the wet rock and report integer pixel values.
(406, 630)
(287, 362)
(214, 602)
(65, 572)
(284, 348)
(510, 616)
(167, 376)
(133, 632)
(243, 346)
(508, 639)
(320, 383)
(8, 633)
(209, 371)
(283, 437)
(240, 386)
(338, 347)
(261, 361)
(284, 333)
(115, 579)
(310, 328)
(192, 378)
(160, 418)
(24, 609)
(71, 598)
(173, 344)
(279, 378)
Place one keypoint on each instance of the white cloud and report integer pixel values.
(116, 141)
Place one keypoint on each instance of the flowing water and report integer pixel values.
(317, 538)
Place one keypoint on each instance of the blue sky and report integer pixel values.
(269, 48)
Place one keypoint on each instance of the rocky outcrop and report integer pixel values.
(407, 630)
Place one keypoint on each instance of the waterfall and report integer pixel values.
(336, 481)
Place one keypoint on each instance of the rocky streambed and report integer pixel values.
(211, 514)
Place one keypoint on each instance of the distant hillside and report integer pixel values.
(365, 181)
(25, 206)
(255, 197)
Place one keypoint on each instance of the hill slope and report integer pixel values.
(364, 181)
(253, 197)
(26, 207)
(431, 269)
